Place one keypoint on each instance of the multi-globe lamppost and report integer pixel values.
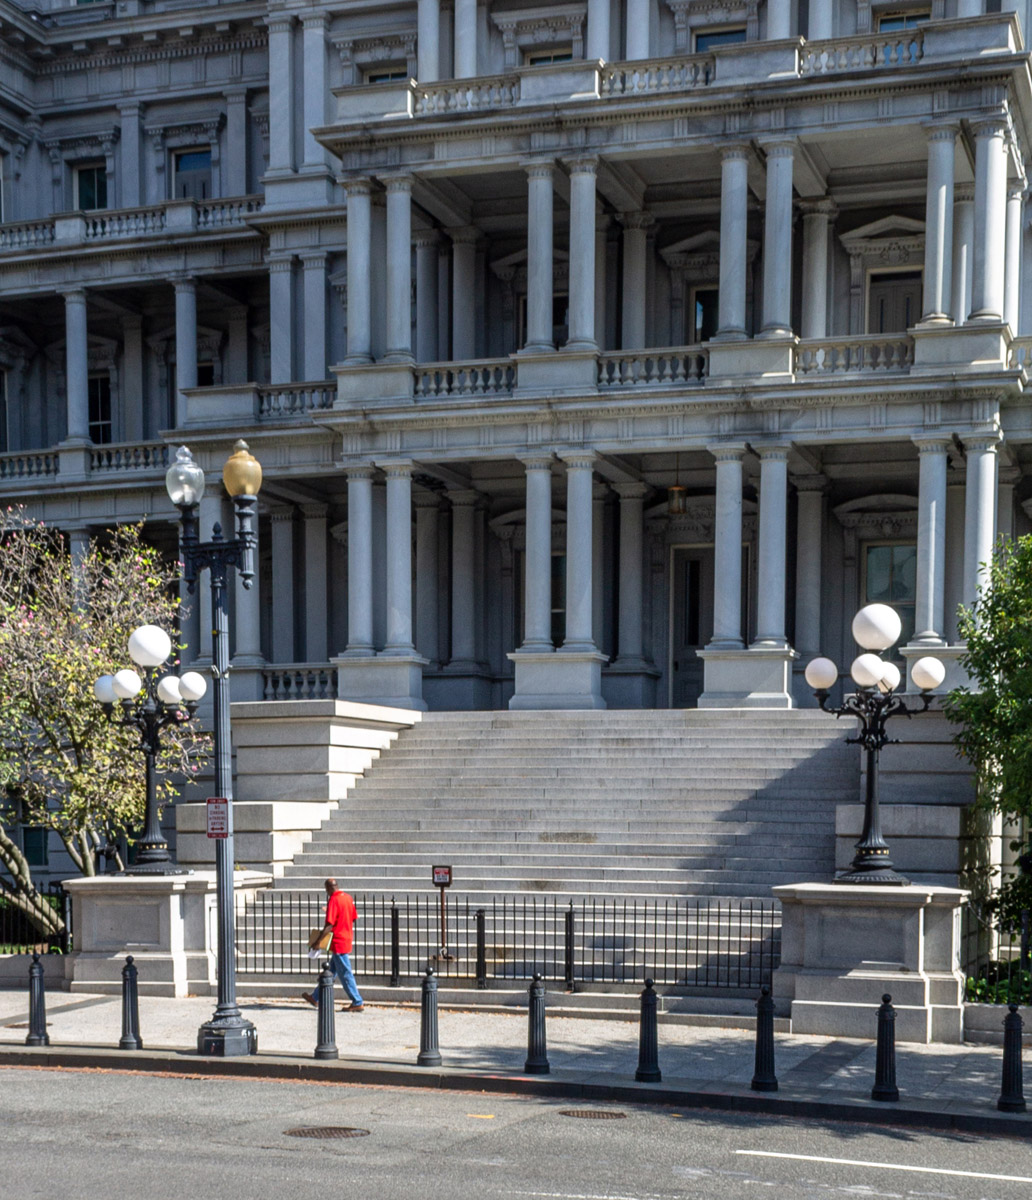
(228, 1033)
(876, 627)
(149, 705)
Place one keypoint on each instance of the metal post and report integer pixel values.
(38, 1035)
(481, 950)
(648, 1037)
(1012, 1096)
(885, 1065)
(429, 1052)
(764, 1079)
(130, 1039)
(395, 947)
(568, 948)
(537, 1048)
(326, 1047)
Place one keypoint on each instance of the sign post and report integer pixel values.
(442, 878)
(218, 817)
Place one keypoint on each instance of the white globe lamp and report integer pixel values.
(192, 687)
(168, 690)
(890, 679)
(821, 674)
(149, 646)
(126, 684)
(867, 670)
(928, 673)
(877, 627)
(104, 690)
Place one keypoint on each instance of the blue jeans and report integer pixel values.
(341, 967)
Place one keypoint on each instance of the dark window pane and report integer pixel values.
(34, 845)
(718, 37)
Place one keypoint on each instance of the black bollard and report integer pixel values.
(648, 1037)
(568, 935)
(326, 1047)
(130, 1039)
(38, 1035)
(429, 1051)
(537, 1048)
(764, 1079)
(1012, 1096)
(885, 1064)
(395, 948)
(481, 950)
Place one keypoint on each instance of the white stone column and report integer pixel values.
(540, 261)
(809, 574)
(632, 294)
(963, 251)
(822, 15)
(638, 40)
(939, 224)
(129, 154)
(1012, 262)
(427, 244)
(313, 263)
(777, 240)
(77, 369)
(314, 26)
(779, 19)
(428, 40)
(281, 85)
(316, 631)
(359, 233)
(734, 212)
(247, 618)
(816, 218)
(727, 549)
(599, 492)
(281, 323)
(236, 157)
(630, 595)
(132, 379)
(598, 30)
(186, 342)
(969, 8)
(579, 546)
(931, 540)
(582, 255)
(428, 512)
(360, 560)
(399, 268)
(537, 606)
(601, 281)
(771, 576)
(463, 591)
(399, 558)
(464, 294)
(465, 39)
(283, 584)
(955, 520)
(990, 219)
(979, 513)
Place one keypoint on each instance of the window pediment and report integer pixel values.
(526, 28)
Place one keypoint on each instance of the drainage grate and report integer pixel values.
(593, 1114)
(326, 1131)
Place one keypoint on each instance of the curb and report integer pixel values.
(798, 1103)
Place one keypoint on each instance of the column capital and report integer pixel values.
(359, 185)
(537, 462)
(314, 19)
(397, 468)
(824, 207)
(642, 219)
(778, 146)
(539, 168)
(463, 497)
(184, 283)
(401, 182)
(314, 511)
(963, 193)
(280, 513)
(991, 125)
(582, 164)
(733, 452)
(359, 471)
(942, 131)
(933, 445)
(735, 150)
(129, 108)
(422, 238)
(579, 459)
(463, 235)
(280, 22)
(810, 483)
(774, 452)
(312, 258)
(285, 263)
(983, 441)
(632, 490)
(74, 295)
(426, 499)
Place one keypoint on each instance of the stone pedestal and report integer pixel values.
(558, 679)
(630, 684)
(758, 677)
(167, 923)
(844, 945)
(393, 680)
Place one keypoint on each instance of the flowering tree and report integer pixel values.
(63, 622)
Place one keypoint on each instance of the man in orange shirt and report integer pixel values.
(341, 916)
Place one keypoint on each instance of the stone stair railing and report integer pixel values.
(867, 352)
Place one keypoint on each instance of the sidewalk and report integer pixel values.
(942, 1086)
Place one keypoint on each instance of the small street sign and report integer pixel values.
(218, 817)
(442, 876)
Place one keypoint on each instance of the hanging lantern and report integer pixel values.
(676, 494)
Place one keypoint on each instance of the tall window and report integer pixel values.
(191, 174)
(893, 301)
(100, 408)
(35, 840)
(704, 313)
(91, 187)
(890, 577)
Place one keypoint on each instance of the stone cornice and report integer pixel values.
(173, 48)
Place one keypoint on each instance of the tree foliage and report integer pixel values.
(63, 622)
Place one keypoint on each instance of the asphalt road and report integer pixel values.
(66, 1135)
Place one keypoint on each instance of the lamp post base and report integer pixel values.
(883, 876)
(233, 1037)
(157, 868)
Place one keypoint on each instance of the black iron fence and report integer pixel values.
(997, 962)
(691, 943)
(18, 935)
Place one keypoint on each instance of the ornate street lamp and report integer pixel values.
(875, 628)
(150, 705)
(227, 1033)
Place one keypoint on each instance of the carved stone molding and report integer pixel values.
(530, 28)
(358, 52)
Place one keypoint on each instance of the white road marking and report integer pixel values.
(853, 1162)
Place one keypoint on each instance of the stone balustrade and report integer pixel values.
(1021, 352)
(466, 95)
(491, 377)
(867, 352)
(294, 399)
(653, 368)
(656, 76)
(128, 222)
(28, 464)
(900, 48)
(25, 235)
(130, 456)
(299, 681)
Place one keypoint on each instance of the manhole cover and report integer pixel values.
(593, 1114)
(326, 1131)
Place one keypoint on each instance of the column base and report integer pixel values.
(554, 680)
(460, 686)
(949, 656)
(759, 677)
(392, 680)
(768, 358)
(362, 385)
(542, 373)
(630, 683)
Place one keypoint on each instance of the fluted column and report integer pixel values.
(281, 322)
(771, 575)
(990, 219)
(537, 606)
(601, 281)
(428, 512)
(809, 574)
(632, 297)
(777, 240)
(399, 558)
(963, 251)
(598, 30)
(281, 84)
(727, 549)
(816, 218)
(316, 631)
(314, 86)
(186, 342)
(399, 268)
(821, 19)
(638, 40)
(313, 265)
(359, 233)
(464, 295)
(582, 255)
(734, 212)
(427, 245)
(465, 39)
(779, 19)
(1012, 262)
(283, 583)
(931, 540)
(632, 531)
(360, 560)
(540, 261)
(979, 513)
(77, 369)
(939, 224)
(428, 40)
(579, 544)
(463, 591)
